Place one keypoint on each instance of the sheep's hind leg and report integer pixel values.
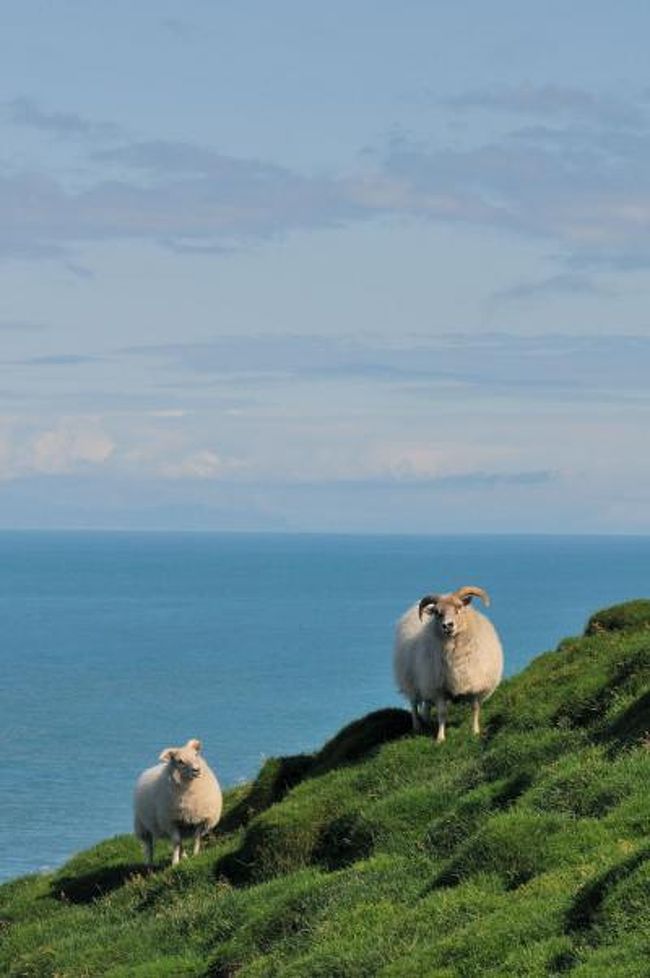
(426, 707)
(147, 844)
(441, 707)
(415, 717)
(476, 713)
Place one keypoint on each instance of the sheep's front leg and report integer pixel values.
(476, 713)
(197, 842)
(441, 707)
(178, 849)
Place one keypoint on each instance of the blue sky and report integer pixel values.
(356, 266)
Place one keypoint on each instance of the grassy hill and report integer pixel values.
(526, 852)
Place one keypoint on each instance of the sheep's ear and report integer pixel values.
(428, 605)
(194, 744)
(168, 754)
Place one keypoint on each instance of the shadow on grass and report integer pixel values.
(93, 886)
(634, 723)
(223, 969)
(280, 774)
(344, 840)
(586, 906)
(355, 741)
(453, 827)
(277, 777)
(583, 913)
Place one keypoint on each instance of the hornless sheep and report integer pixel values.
(176, 798)
(446, 650)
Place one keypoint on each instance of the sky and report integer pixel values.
(349, 267)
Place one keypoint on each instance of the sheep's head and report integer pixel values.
(450, 611)
(184, 761)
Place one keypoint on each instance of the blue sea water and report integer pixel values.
(116, 645)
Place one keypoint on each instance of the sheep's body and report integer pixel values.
(170, 804)
(432, 667)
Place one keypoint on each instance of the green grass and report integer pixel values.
(525, 852)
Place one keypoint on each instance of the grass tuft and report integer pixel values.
(630, 616)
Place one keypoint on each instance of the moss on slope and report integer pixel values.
(523, 853)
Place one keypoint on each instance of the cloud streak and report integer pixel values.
(27, 113)
(223, 203)
(56, 360)
(494, 362)
(472, 481)
(550, 101)
(19, 326)
(580, 179)
(563, 284)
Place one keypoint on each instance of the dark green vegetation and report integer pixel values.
(526, 852)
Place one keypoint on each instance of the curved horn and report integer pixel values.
(469, 591)
(427, 600)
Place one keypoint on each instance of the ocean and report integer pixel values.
(117, 645)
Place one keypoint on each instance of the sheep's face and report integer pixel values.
(184, 761)
(449, 612)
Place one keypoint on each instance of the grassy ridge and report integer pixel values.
(526, 852)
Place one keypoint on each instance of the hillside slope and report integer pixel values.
(526, 852)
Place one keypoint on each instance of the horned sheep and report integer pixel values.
(447, 650)
(177, 798)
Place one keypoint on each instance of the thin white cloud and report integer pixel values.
(62, 449)
(201, 464)
(69, 445)
(173, 413)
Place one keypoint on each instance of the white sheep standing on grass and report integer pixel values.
(447, 650)
(177, 798)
